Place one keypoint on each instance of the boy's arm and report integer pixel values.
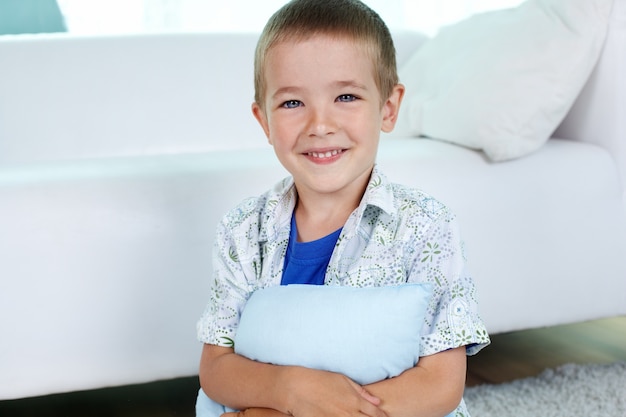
(434, 387)
(241, 383)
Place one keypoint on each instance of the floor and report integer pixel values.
(159, 399)
(510, 356)
(522, 354)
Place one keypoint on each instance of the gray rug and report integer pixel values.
(567, 391)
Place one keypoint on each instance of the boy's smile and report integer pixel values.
(323, 113)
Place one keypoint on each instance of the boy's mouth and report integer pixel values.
(324, 155)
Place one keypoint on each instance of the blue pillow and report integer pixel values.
(368, 334)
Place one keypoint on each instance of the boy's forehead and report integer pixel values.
(318, 62)
(323, 44)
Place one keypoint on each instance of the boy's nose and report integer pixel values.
(321, 123)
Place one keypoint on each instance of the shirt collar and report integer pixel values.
(379, 193)
(281, 201)
(279, 204)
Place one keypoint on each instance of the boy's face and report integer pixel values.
(323, 113)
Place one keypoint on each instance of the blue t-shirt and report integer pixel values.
(306, 262)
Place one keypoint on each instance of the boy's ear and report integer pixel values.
(391, 108)
(261, 117)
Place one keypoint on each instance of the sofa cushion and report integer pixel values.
(503, 81)
(551, 220)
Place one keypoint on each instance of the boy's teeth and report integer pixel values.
(324, 154)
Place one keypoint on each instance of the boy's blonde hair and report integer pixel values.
(299, 20)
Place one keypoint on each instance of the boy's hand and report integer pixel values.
(314, 393)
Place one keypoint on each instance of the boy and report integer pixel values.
(326, 85)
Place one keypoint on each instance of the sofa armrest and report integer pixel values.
(597, 116)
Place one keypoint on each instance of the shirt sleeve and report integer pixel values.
(235, 257)
(452, 319)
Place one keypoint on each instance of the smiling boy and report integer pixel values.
(326, 86)
(324, 125)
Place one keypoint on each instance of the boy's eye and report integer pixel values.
(346, 98)
(291, 104)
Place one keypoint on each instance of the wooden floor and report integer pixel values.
(510, 356)
(522, 354)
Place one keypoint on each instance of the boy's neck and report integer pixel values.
(317, 217)
(313, 224)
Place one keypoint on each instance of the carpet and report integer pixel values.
(567, 391)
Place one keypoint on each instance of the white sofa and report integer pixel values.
(118, 155)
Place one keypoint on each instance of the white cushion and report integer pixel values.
(502, 81)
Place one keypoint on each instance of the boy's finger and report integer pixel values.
(372, 410)
(365, 394)
(369, 397)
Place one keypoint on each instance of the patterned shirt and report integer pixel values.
(396, 235)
